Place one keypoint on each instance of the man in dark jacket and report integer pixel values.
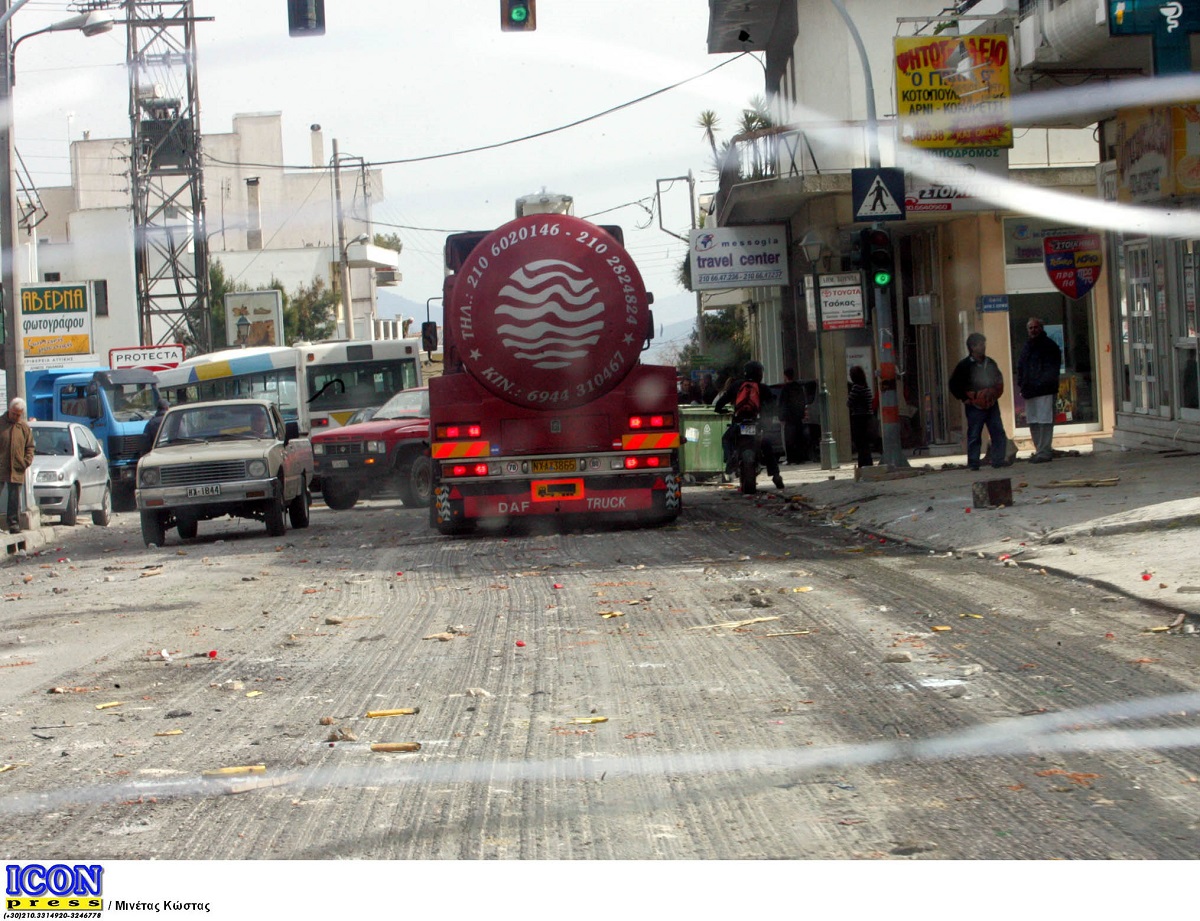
(150, 433)
(792, 408)
(753, 372)
(16, 454)
(977, 381)
(1037, 376)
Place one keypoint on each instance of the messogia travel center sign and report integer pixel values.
(739, 257)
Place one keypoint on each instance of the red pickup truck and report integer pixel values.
(388, 454)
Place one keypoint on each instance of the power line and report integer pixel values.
(498, 144)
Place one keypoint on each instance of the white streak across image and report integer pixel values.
(556, 313)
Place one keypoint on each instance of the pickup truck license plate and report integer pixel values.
(337, 464)
(214, 490)
(558, 465)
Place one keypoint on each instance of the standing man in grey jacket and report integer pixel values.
(1037, 378)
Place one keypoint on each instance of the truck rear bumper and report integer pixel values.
(458, 501)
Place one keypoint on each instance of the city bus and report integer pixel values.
(273, 373)
(343, 376)
(317, 384)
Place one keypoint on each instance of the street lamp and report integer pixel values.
(813, 247)
(91, 23)
(344, 271)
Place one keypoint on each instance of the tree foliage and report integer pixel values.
(310, 312)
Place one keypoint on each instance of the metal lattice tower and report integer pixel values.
(166, 177)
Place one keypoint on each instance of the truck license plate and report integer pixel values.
(557, 465)
(214, 490)
(341, 463)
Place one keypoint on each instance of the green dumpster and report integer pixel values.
(702, 429)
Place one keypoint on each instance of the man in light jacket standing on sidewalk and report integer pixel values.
(1037, 378)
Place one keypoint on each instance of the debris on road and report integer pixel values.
(237, 769)
(734, 623)
(586, 720)
(109, 705)
(402, 711)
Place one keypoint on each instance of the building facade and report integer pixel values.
(971, 251)
(266, 221)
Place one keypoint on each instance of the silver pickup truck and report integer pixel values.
(233, 457)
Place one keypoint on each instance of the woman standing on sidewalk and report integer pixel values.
(859, 403)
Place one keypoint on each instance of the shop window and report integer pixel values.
(1069, 323)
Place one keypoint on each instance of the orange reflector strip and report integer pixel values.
(643, 440)
(447, 450)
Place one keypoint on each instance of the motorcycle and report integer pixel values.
(747, 448)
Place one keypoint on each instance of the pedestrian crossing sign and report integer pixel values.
(878, 194)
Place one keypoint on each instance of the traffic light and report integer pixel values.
(858, 250)
(880, 258)
(306, 17)
(518, 15)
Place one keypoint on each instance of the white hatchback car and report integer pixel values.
(70, 472)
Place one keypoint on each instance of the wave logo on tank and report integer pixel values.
(554, 313)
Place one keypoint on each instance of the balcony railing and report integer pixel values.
(788, 152)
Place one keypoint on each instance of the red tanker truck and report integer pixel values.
(544, 409)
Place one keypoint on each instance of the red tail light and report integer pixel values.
(458, 430)
(656, 421)
(319, 422)
(467, 470)
(655, 461)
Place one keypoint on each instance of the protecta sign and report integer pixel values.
(551, 312)
(150, 357)
(1073, 262)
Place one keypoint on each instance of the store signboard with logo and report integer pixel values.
(56, 321)
(739, 257)
(953, 91)
(841, 302)
(952, 179)
(1073, 262)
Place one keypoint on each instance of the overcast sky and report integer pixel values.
(400, 79)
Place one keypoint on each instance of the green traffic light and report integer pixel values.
(883, 279)
(518, 14)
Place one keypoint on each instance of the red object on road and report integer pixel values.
(212, 653)
(520, 642)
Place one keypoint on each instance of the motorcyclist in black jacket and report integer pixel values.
(753, 371)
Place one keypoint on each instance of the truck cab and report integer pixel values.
(115, 405)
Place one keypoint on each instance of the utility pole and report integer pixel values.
(343, 259)
(885, 339)
(701, 344)
(14, 355)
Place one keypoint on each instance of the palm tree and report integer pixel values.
(708, 123)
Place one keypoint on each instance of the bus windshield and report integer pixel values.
(356, 384)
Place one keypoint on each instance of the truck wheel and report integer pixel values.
(103, 515)
(298, 509)
(338, 495)
(187, 527)
(70, 512)
(152, 528)
(276, 527)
